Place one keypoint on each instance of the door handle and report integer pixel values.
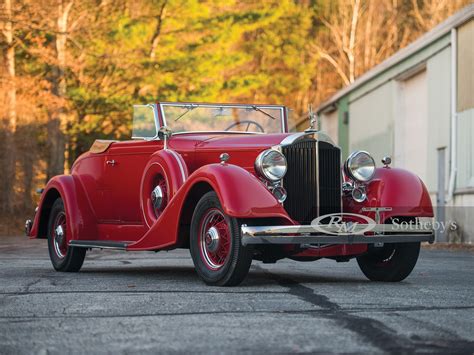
(110, 162)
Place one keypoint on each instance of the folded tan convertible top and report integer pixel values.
(101, 145)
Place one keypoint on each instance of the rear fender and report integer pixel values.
(241, 195)
(399, 189)
(81, 224)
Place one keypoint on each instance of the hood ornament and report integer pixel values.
(313, 119)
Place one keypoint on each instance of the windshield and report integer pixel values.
(230, 118)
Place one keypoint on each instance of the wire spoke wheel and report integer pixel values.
(215, 244)
(63, 257)
(59, 237)
(214, 239)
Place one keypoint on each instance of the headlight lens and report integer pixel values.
(360, 166)
(271, 164)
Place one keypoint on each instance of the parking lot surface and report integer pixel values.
(154, 302)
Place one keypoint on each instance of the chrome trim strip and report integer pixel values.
(312, 229)
(283, 119)
(317, 135)
(183, 175)
(318, 207)
(341, 180)
(309, 234)
(157, 123)
(340, 239)
(214, 132)
(163, 115)
(90, 244)
(207, 104)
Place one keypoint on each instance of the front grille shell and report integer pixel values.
(313, 180)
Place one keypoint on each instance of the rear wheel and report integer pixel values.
(391, 263)
(219, 257)
(63, 257)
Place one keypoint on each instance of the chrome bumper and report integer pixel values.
(28, 226)
(310, 234)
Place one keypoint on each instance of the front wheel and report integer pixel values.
(391, 263)
(63, 257)
(219, 257)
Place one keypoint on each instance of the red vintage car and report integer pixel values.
(231, 184)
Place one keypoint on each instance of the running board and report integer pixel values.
(98, 244)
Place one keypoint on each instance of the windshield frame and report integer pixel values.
(283, 114)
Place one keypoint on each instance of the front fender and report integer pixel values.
(172, 167)
(399, 189)
(81, 219)
(241, 195)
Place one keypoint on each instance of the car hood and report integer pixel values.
(202, 149)
(232, 140)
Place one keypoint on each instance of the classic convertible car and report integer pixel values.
(231, 184)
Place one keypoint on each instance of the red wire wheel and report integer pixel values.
(214, 239)
(63, 257)
(59, 238)
(219, 257)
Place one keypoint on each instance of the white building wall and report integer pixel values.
(384, 117)
(465, 178)
(371, 122)
(330, 124)
(439, 113)
(411, 124)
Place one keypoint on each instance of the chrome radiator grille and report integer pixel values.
(313, 180)
(329, 179)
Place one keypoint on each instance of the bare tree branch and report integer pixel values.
(156, 35)
(334, 63)
(352, 40)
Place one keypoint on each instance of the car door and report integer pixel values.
(124, 167)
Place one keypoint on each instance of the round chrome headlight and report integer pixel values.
(360, 166)
(271, 164)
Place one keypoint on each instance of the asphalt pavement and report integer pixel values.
(153, 302)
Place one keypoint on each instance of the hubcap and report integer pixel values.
(59, 237)
(214, 239)
(159, 195)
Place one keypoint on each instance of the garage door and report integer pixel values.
(411, 125)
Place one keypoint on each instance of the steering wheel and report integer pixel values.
(248, 122)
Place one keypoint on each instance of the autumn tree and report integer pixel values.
(10, 119)
(71, 70)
